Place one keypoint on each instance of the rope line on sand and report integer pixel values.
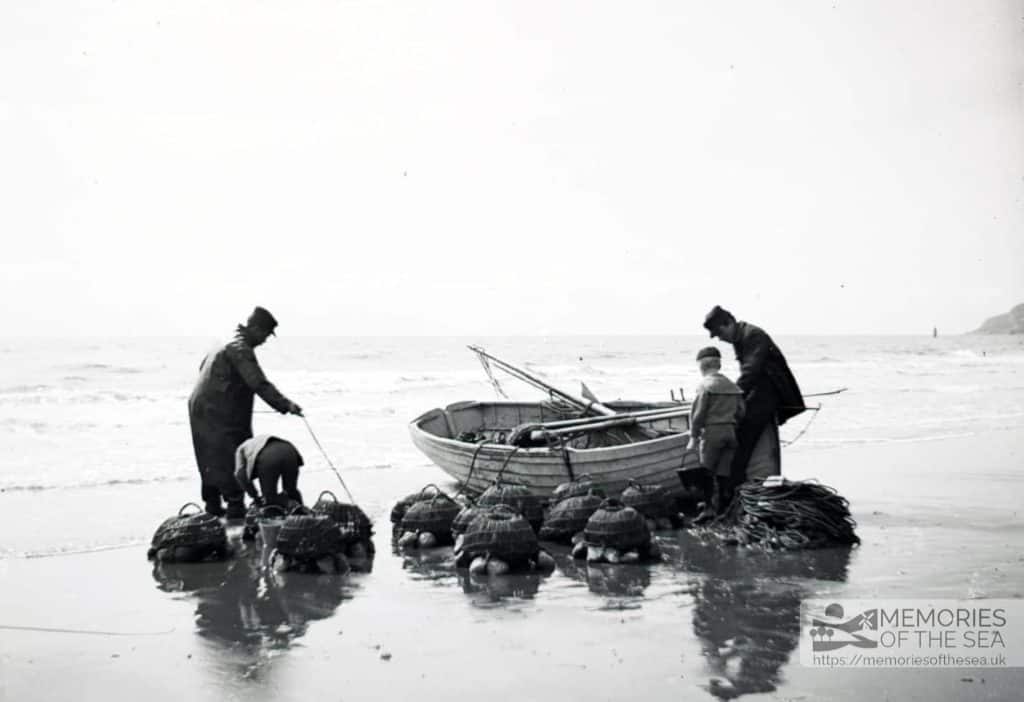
(328, 459)
(92, 632)
(84, 551)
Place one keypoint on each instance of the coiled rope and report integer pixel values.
(787, 515)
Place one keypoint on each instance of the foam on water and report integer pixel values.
(113, 411)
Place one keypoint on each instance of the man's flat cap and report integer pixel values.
(716, 318)
(262, 318)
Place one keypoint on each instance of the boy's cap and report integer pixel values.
(716, 318)
(708, 352)
(263, 319)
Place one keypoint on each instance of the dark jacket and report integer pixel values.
(220, 406)
(765, 378)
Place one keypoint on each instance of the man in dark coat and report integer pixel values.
(220, 410)
(771, 393)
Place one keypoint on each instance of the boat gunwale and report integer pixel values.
(504, 449)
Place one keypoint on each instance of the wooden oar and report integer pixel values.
(601, 424)
(585, 405)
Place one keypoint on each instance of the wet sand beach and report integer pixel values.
(937, 519)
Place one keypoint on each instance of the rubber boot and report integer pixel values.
(236, 509)
(215, 508)
(724, 493)
(709, 505)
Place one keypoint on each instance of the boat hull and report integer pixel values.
(477, 465)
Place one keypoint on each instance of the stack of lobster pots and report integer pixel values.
(310, 542)
(427, 521)
(654, 502)
(258, 512)
(470, 511)
(189, 538)
(574, 503)
(519, 497)
(500, 540)
(616, 533)
(355, 527)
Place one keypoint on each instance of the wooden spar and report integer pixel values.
(601, 424)
(586, 406)
(685, 408)
(534, 428)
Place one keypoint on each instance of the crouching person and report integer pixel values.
(270, 460)
(717, 409)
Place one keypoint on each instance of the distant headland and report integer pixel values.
(1010, 323)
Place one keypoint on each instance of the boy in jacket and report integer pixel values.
(717, 409)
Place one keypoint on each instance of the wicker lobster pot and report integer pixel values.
(354, 523)
(402, 506)
(518, 497)
(257, 512)
(652, 501)
(433, 515)
(583, 485)
(617, 526)
(569, 517)
(190, 537)
(465, 517)
(501, 533)
(308, 536)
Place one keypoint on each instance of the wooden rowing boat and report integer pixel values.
(467, 441)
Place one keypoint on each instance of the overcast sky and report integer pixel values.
(510, 168)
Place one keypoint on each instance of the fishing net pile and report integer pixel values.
(197, 536)
(783, 514)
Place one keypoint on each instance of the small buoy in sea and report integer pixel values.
(595, 554)
(408, 540)
(427, 540)
(545, 562)
(630, 557)
(478, 566)
(496, 566)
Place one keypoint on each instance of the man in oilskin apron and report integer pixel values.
(220, 410)
(770, 391)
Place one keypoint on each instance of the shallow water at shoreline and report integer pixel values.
(709, 622)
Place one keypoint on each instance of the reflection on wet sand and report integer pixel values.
(623, 585)
(747, 607)
(437, 566)
(252, 611)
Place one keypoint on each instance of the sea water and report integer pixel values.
(107, 418)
